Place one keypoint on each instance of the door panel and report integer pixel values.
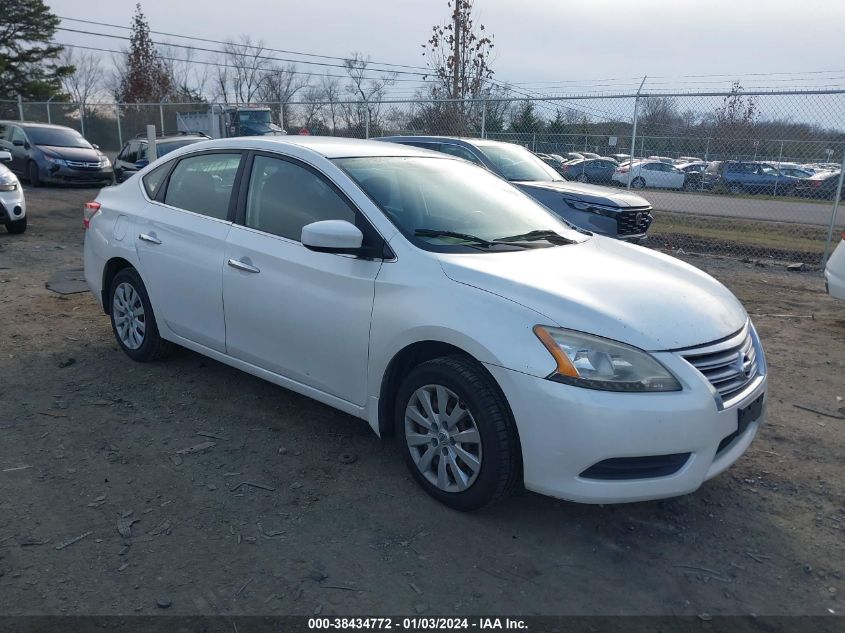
(290, 310)
(305, 315)
(181, 244)
(183, 272)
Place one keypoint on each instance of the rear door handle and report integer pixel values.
(247, 268)
(152, 239)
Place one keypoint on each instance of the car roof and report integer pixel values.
(326, 146)
(29, 124)
(477, 142)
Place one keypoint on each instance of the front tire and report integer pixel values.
(16, 226)
(33, 175)
(456, 433)
(133, 320)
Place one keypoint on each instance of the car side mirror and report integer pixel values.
(5, 157)
(332, 236)
(95, 146)
(17, 142)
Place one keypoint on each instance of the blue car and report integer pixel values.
(749, 177)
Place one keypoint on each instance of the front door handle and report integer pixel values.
(152, 239)
(247, 268)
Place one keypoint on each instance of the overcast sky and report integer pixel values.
(543, 41)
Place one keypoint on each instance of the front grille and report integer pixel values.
(729, 366)
(78, 164)
(633, 222)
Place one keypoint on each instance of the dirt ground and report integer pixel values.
(89, 444)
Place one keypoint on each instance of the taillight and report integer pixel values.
(623, 170)
(815, 184)
(89, 211)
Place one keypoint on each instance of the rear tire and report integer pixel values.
(638, 183)
(735, 189)
(463, 451)
(582, 178)
(32, 174)
(132, 319)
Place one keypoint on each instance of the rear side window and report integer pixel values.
(203, 184)
(152, 181)
(284, 196)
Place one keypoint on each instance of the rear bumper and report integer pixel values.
(834, 273)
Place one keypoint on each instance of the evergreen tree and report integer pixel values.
(145, 78)
(524, 120)
(28, 58)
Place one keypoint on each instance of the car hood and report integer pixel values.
(586, 193)
(609, 288)
(72, 153)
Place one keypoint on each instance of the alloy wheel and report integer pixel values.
(129, 318)
(443, 438)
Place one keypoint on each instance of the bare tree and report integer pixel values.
(87, 78)
(330, 87)
(244, 69)
(459, 55)
(369, 90)
(188, 78)
(279, 85)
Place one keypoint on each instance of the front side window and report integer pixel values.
(203, 184)
(517, 163)
(431, 194)
(18, 135)
(284, 196)
(460, 152)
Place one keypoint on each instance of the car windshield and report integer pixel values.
(435, 196)
(254, 116)
(517, 163)
(56, 137)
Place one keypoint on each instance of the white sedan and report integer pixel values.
(12, 202)
(650, 173)
(439, 303)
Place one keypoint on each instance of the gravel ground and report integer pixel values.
(100, 513)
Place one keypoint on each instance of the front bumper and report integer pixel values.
(564, 430)
(64, 174)
(12, 205)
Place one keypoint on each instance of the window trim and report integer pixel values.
(387, 254)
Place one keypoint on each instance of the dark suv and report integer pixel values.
(133, 155)
(748, 177)
(53, 153)
(602, 210)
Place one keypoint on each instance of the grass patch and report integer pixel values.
(756, 238)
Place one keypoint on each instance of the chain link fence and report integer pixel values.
(751, 175)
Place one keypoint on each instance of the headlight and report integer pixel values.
(54, 161)
(599, 363)
(8, 182)
(104, 161)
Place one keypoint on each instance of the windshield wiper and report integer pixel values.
(532, 236)
(474, 239)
